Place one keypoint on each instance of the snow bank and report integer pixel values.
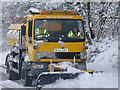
(97, 80)
(106, 60)
(107, 57)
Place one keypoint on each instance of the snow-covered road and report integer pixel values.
(106, 60)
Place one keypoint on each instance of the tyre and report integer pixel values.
(13, 64)
(7, 67)
(11, 74)
(26, 79)
(7, 63)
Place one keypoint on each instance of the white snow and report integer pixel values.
(106, 60)
(97, 80)
(68, 66)
(10, 84)
(35, 10)
(2, 55)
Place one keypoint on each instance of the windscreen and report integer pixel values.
(52, 30)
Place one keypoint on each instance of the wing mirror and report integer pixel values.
(23, 30)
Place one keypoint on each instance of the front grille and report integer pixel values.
(46, 55)
(68, 55)
(58, 55)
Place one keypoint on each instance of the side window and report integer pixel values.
(30, 28)
(80, 26)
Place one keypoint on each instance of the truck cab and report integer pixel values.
(58, 24)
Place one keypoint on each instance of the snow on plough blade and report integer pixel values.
(50, 77)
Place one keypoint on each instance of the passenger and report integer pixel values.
(74, 33)
(41, 31)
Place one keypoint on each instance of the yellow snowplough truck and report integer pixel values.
(41, 41)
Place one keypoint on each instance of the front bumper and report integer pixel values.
(36, 68)
(60, 60)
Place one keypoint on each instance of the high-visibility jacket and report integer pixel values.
(71, 34)
(42, 32)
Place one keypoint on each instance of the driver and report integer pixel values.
(74, 33)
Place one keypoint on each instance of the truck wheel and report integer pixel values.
(7, 68)
(7, 63)
(27, 80)
(11, 74)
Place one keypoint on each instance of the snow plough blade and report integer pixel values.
(48, 78)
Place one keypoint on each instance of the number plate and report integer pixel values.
(60, 50)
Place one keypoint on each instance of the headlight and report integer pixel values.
(37, 66)
(83, 55)
(81, 65)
